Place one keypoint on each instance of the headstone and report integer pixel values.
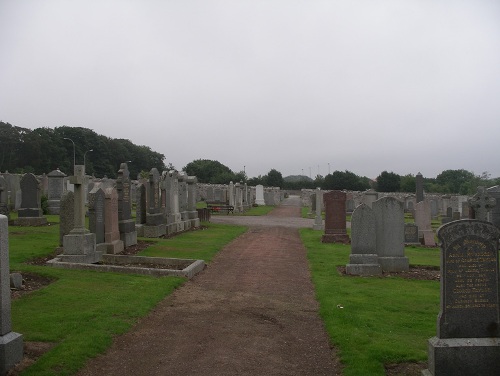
(369, 197)
(318, 219)
(465, 210)
(140, 209)
(389, 217)
(96, 216)
(174, 218)
(419, 183)
(363, 259)
(111, 230)
(494, 193)
(4, 199)
(183, 200)
(482, 204)
(434, 209)
(30, 212)
(259, 195)
(468, 326)
(335, 222)
(231, 194)
(126, 224)
(193, 213)
(423, 221)
(11, 343)
(55, 190)
(411, 234)
(155, 223)
(79, 245)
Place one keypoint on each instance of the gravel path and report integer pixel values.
(251, 312)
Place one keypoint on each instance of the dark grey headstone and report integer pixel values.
(30, 197)
(96, 214)
(468, 329)
(123, 188)
(140, 209)
(411, 233)
(419, 183)
(66, 215)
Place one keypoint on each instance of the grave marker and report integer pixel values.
(468, 327)
(335, 222)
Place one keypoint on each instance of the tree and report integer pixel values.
(457, 181)
(274, 178)
(347, 180)
(388, 182)
(209, 171)
(408, 183)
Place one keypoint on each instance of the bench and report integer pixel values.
(216, 207)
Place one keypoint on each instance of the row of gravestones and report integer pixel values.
(166, 204)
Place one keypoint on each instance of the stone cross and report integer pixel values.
(77, 180)
(482, 203)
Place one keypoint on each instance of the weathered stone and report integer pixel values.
(335, 222)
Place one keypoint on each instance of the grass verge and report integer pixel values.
(373, 321)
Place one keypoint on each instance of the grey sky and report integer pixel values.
(365, 86)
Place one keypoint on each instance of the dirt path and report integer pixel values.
(251, 312)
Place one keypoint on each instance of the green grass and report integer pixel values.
(201, 244)
(81, 311)
(258, 210)
(383, 320)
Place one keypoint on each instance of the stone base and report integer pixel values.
(80, 247)
(30, 221)
(139, 229)
(187, 225)
(394, 264)
(114, 247)
(156, 219)
(463, 357)
(126, 226)
(154, 231)
(11, 351)
(363, 265)
(29, 212)
(129, 238)
(101, 248)
(318, 226)
(184, 216)
(82, 259)
(260, 202)
(195, 223)
(336, 238)
(54, 206)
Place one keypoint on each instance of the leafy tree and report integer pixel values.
(274, 178)
(347, 180)
(408, 183)
(209, 171)
(388, 182)
(456, 181)
(259, 180)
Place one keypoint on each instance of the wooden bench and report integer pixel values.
(216, 207)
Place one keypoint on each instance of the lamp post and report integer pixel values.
(74, 152)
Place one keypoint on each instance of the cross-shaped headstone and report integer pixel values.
(482, 203)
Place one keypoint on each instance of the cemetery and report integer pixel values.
(392, 278)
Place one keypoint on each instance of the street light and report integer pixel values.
(74, 151)
(84, 154)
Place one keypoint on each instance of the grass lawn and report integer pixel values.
(81, 311)
(382, 320)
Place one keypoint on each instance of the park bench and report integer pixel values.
(218, 207)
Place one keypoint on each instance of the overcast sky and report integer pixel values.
(301, 86)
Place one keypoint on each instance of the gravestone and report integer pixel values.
(423, 221)
(4, 199)
(389, 218)
(79, 245)
(140, 209)
(312, 206)
(55, 190)
(468, 325)
(183, 201)
(126, 223)
(66, 215)
(231, 193)
(465, 210)
(218, 195)
(369, 197)
(363, 259)
(174, 219)
(111, 229)
(411, 234)
(482, 204)
(11, 343)
(318, 219)
(30, 212)
(259, 195)
(193, 213)
(155, 223)
(96, 216)
(335, 222)
(434, 209)
(494, 193)
(419, 184)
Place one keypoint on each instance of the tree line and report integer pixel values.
(42, 150)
